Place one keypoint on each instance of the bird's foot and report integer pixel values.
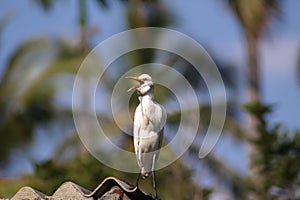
(132, 187)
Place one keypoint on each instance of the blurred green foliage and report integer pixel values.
(254, 18)
(30, 102)
(34, 107)
(89, 172)
(20, 112)
(278, 157)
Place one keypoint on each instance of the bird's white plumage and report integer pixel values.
(149, 120)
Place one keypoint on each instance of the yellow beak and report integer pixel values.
(136, 86)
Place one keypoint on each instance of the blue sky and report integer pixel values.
(208, 21)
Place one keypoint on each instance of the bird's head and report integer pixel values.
(145, 84)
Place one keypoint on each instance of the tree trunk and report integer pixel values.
(83, 26)
(254, 89)
(83, 46)
(254, 96)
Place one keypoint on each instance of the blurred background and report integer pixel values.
(255, 44)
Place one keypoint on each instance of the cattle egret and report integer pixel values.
(149, 120)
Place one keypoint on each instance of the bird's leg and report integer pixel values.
(136, 185)
(154, 185)
(137, 180)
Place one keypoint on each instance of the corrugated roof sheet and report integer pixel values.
(108, 189)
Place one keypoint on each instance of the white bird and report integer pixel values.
(149, 120)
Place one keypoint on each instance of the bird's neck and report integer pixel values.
(147, 96)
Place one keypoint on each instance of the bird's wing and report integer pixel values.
(163, 118)
(163, 121)
(161, 138)
(136, 129)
